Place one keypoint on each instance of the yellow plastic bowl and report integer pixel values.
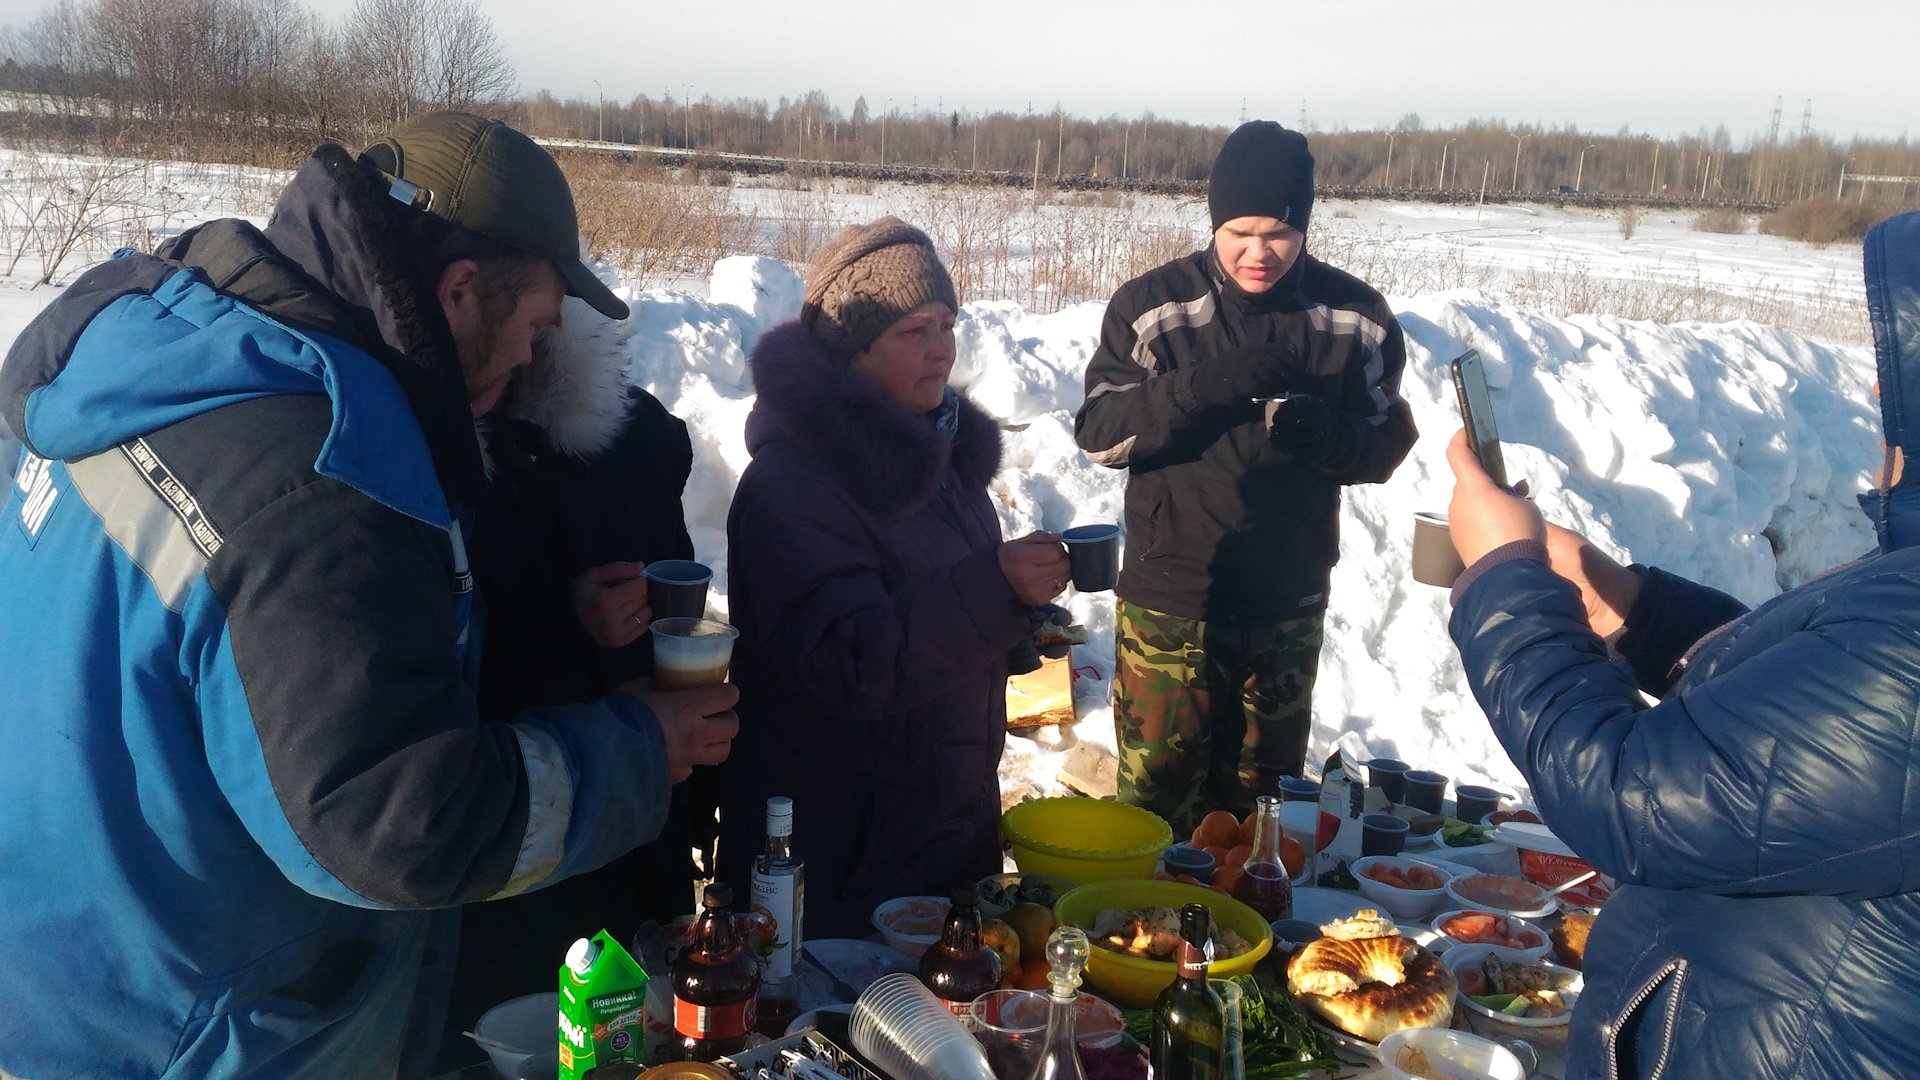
(1136, 982)
(1085, 840)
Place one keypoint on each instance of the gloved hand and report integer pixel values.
(1023, 657)
(1306, 428)
(1237, 377)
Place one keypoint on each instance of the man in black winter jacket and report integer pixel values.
(1243, 385)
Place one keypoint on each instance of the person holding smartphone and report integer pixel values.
(1242, 386)
(1760, 817)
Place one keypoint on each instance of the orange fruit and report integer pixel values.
(1218, 829)
(1219, 890)
(1162, 875)
(1187, 879)
(1246, 828)
(1238, 856)
(1219, 855)
(1226, 877)
(1293, 855)
(1034, 976)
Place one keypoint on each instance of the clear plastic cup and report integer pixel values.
(1011, 1026)
(912, 1035)
(1232, 1065)
(691, 653)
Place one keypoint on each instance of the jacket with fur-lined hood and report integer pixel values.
(245, 776)
(874, 623)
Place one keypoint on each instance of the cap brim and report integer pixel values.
(582, 283)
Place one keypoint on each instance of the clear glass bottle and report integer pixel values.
(779, 889)
(1067, 952)
(1264, 884)
(1189, 1022)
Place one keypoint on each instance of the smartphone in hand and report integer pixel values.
(1476, 410)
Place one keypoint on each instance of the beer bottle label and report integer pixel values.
(961, 1009)
(1192, 961)
(713, 1022)
(780, 895)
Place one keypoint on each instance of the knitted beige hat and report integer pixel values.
(867, 278)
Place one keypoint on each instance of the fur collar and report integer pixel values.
(575, 391)
(891, 460)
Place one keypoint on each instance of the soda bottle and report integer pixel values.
(1264, 884)
(779, 889)
(959, 968)
(1189, 1022)
(715, 983)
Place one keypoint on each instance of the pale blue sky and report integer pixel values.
(1665, 68)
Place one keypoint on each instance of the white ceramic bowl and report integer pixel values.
(1546, 905)
(1452, 1050)
(513, 1032)
(1515, 925)
(1461, 957)
(1399, 903)
(914, 945)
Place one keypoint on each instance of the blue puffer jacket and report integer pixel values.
(244, 781)
(1764, 818)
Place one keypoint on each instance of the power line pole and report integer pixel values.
(1060, 151)
(1806, 120)
(1773, 132)
(686, 118)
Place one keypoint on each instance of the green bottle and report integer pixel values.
(1189, 1022)
(603, 997)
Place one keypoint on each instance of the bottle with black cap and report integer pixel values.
(715, 983)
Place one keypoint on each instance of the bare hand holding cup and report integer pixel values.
(610, 601)
(699, 725)
(1036, 566)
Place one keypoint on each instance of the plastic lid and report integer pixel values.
(966, 895)
(717, 894)
(779, 816)
(581, 955)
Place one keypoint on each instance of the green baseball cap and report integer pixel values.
(491, 180)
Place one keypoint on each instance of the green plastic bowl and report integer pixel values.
(1085, 840)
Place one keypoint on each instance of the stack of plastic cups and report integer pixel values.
(911, 1035)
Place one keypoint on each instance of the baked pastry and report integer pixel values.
(1371, 986)
(1570, 939)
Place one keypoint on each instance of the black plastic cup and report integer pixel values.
(1389, 776)
(677, 588)
(1474, 803)
(1296, 789)
(1094, 551)
(1382, 834)
(1426, 790)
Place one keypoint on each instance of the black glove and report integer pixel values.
(1023, 657)
(1237, 377)
(1306, 428)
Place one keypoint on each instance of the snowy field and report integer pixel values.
(1727, 451)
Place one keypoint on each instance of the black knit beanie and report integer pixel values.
(1263, 170)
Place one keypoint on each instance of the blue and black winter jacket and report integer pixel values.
(243, 774)
(1764, 817)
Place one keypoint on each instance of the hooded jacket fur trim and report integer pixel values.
(575, 391)
(890, 459)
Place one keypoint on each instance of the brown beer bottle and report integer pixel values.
(715, 983)
(959, 968)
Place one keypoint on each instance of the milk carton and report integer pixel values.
(602, 1006)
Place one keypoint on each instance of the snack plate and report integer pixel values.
(836, 970)
(1461, 956)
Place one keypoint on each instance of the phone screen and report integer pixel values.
(1476, 409)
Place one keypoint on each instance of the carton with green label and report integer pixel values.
(603, 1011)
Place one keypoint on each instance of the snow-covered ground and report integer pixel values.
(1727, 451)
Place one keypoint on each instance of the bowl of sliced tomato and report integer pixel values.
(1406, 888)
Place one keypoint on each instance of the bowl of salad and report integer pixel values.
(1000, 892)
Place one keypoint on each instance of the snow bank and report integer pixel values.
(1730, 453)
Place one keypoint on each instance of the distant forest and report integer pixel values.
(259, 81)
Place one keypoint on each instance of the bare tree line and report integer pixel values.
(254, 79)
(1409, 156)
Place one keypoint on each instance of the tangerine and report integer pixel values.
(1246, 828)
(1238, 855)
(1225, 878)
(1292, 855)
(1219, 855)
(1218, 829)
(1034, 976)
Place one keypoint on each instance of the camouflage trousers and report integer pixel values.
(1210, 715)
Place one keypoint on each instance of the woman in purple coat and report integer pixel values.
(875, 599)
